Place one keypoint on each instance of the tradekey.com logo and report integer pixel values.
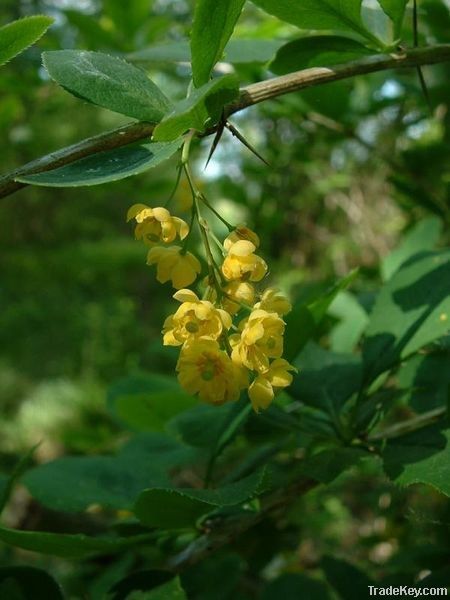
(405, 590)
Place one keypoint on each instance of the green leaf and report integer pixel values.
(212, 28)
(15, 37)
(105, 167)
(428, 378)
(163, 53)
(349, 582)
(200, 580)
(329, 464)
(232, 423)
(146, 403)
(72, 484)
(66, 545)
(353, 319)
(424, 236)
(238, 51)
(107, 81)
(326, 380)
(4, 488)
(96, 31)
(395, 10)
(344, 15)
(203, 105)
(332, 100)
(420, 457)
(316, 51)
(292, 586)
(210, 427)
(303, 321)
(18, 471)
(201, 425)
(143, 581)
(24, 583)
(379, 24)
(412, 310)
(181, 507)
(171, 590)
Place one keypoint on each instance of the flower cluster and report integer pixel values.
(232, 338)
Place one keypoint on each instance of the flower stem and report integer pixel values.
(214, 271)
(218, 215)
(175, 187)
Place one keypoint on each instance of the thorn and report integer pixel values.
(220, 128)
(423, 83)
(243, 141)
(424, 87)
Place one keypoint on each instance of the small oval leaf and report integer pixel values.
(212, 28)
(107, 81)
(17, 36)
(196, 110)
(105, 167)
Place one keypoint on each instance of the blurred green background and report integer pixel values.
(353, 166)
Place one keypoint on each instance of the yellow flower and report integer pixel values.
(156, 224)
(194, 319)
(241, 233)
(240, 291)
(261, 390)
(242, 263)
(273, 300)
(261, 338)
(204, 369)
(173, 264)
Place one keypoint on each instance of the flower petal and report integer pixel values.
(181, 226)
(161, 214)
(186, 295)
(242, 248)
(260, 393)
(182, 275)
(134, 210)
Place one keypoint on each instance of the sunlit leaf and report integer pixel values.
(15, 37)
(304, 319)
(212, 28)
(424, 236)
(353, 320)
(395, 9)
(318, 14)
(412, 310)
(420, 457)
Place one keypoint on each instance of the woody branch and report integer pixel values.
(249, 96)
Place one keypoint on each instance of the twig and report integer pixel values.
(423, 83)
(109, 140)
(409, 426)
(278, 86)
(249, 96)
